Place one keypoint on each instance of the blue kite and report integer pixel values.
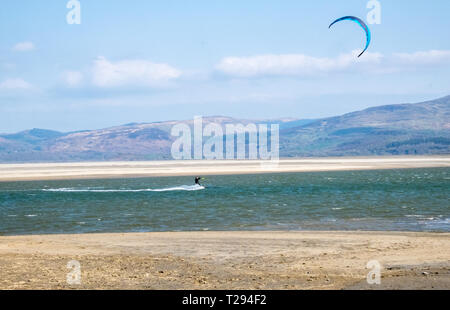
(361, 23)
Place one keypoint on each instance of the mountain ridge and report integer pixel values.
(409, 128)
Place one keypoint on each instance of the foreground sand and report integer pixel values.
(227, 260)
(56, 171)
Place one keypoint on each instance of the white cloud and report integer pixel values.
(131, 73)
(72, 78)
(291, 64)
(15, 84)
(304, 65)
(433, 57)
(23, 47)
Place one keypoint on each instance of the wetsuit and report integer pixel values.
(197, 180)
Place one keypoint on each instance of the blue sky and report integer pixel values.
(143, 61)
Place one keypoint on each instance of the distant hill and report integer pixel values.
(421, 128)
(134, 141)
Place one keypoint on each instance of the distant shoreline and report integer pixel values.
(139, 169)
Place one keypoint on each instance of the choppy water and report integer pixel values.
(413, 200)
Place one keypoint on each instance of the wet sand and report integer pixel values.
(86, 170)
(227, 260)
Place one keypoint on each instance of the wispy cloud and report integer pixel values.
(291, 64)
(72, 78)
(15, 84)
(132, 73)
(8, 66)
(304, 65)
(24, 47)
(433, 57)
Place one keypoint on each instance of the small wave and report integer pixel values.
(440, 224)
(91, 190)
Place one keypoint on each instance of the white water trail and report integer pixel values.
(90, 190)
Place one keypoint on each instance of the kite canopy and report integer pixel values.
(359, 22)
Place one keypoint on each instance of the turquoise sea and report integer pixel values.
(402, 200)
